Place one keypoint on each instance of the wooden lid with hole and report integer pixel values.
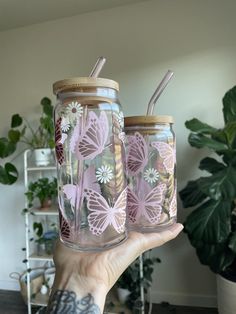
(83, 82)
(147, 120)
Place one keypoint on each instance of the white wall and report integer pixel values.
(194, 38)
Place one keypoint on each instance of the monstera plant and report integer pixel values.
(211, 226)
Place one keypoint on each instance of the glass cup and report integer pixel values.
(90, 162)
(151, 172)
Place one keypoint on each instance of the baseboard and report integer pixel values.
(9, 285)
(156, 296)
(184, 299)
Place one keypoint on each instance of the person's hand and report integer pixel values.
(90, 275)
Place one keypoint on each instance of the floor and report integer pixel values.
(11, 303)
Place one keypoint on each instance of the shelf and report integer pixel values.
(35, 168)
(50, 211)
(45, 257)
(40, 299)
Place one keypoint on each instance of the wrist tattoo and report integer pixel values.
(66, 302)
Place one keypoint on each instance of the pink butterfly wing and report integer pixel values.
(64, 227)
(173, 205)
(98, 219)
(138, 154)
(133, 206)
(92, 141)
(119, 212)
(104, 125)
(90, 180)
(153, 203)
(70, 192)
(167, 153)
(75, 136)
(102, 215)
(58, 145)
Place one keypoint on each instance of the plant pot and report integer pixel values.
(40, 249)
(46, 204)
(122, 295)
(49, 246)
(43, 156)
(226, 295)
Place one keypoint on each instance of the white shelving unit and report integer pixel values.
(32, 171)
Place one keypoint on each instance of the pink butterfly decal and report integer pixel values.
(173, 205)
(167, 153)
(137, 154)
(75, 136)
(94, 136)
(147, 204)
(64, 227)
(58, 142)
(102, 215)
(72, 191)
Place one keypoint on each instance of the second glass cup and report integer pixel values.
(151, 172)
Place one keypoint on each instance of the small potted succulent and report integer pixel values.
(44, 189)
(128, 285)
(34, 137)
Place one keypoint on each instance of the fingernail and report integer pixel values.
(177, 227)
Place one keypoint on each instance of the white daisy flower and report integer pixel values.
(104, 174)
(151, 175)
(74, 110)
(120, 118)
(65, 124)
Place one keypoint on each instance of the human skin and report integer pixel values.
(83, 279)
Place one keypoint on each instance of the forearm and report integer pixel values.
(73, 295)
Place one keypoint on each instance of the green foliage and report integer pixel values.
(211, 227)
(43, 189)
(48, 238)
(41, 136)
(130, 279)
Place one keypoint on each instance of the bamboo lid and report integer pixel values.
(146, 120)
(80, 82)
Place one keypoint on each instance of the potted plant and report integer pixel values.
(45, 240)
(128, 285)
(211, 227)
(37, 138)
(44, 190)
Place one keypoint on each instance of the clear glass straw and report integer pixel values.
(160, 88)
(97, 67)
